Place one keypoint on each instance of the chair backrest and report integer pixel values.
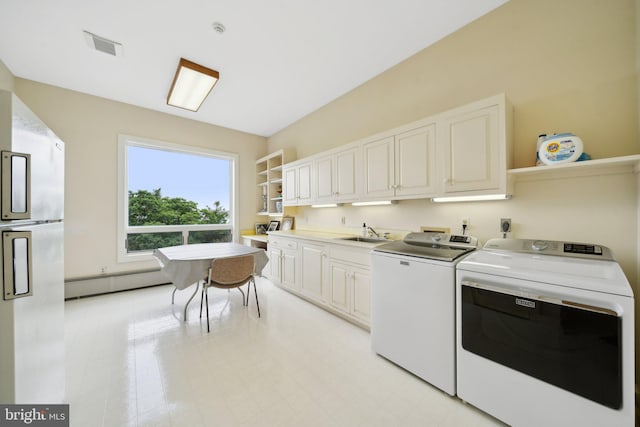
(232, 270)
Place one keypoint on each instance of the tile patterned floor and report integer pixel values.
(132, 361)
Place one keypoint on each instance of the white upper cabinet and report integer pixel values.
(460, 152)
(415, 156)
(297, 184)
(401, 166)
(474, 147)
(379, 168)
(336, 176)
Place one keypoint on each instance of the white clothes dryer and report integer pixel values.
(545, 334)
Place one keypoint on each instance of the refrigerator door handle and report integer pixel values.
(17, 264)
(16, 186)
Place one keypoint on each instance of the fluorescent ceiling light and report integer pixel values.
(326, 205)
(191, 85)
(471, 198)
(376, 203)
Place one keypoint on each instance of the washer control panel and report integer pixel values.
(452, 240)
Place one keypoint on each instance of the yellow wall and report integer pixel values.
(90, 126)
(566, 66)
(6, 78)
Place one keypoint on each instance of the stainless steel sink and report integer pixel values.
(364, 239)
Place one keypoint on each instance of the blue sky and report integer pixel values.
(201, 179)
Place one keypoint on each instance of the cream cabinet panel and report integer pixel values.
(290, 190)
(324, 178)
(415, 162)
(304, 184)
(379, 165)
(475, 146)
(275, 265)
(312, 268)
(350, 288)
(337, 176)
(283, 262)
(401, 166)
(346, 182)
(361, 298)
(339, 279)
(289, 269)
(297, 184)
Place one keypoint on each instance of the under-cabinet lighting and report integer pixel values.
(375, 203)
(479, 198)
(326, 205)
(191, 85)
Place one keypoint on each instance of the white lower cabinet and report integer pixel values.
(283, 262)
(312, 268)
(348, 281)
(361, 294)
(338, 277)
(333, 276)
(350, 288)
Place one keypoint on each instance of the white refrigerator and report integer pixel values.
(32, 369)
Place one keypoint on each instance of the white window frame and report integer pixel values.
(125, 141)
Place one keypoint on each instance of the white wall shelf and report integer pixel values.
(269, 182)
(586, 168)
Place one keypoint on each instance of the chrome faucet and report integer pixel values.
(373, 232)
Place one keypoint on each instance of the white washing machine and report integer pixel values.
(544, 334)
(413, 303)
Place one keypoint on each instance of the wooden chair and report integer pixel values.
(228, 273)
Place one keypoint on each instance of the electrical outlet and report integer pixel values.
(505, 225)
(103, 270)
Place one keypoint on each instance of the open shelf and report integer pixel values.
(269, 187)
(588, 167)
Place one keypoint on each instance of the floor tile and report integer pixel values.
(133, 361)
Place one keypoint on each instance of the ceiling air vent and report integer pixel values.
(103, 45)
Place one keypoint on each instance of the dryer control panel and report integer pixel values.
(552, 247)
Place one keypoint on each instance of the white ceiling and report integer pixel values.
(278, 60)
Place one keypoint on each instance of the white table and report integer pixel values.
(186, 265)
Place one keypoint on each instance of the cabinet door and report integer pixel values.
(379, 168)
(304, 184)
(312, 257)
(338, 277)
(289, 269)
(346, 170)
(289, 186)
(415, 162)
(324, 179)
(275, 265)
(471, 150)
(361, 293)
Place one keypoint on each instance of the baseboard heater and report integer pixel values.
(112, 282)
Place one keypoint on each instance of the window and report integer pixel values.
(172, 194)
